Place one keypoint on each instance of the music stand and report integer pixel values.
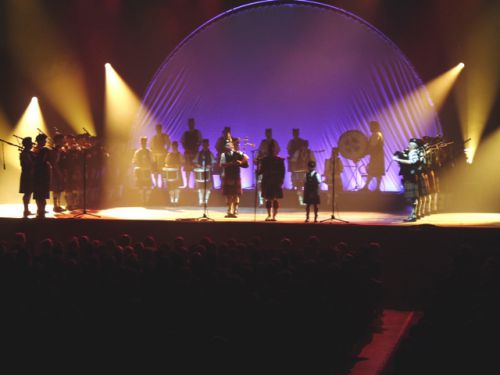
(332, 216)
(204, 217)
(84, 210)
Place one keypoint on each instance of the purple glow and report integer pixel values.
(285, 65)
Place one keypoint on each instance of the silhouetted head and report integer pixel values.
(374, 126)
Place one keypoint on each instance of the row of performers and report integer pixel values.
(270, 169)
(166, 166)
(421, 164)
(60, 169)
(191, 141)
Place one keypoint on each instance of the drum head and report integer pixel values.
(353, 145)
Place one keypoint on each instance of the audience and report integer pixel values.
(240, 303)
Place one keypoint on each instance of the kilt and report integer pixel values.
(271, 189)
(416, 189)
(376, 166)
(57, 180)
(158, 161)
(143, 177)
(311, 196)
(41, 182)
(231, 186)
(188, 161)
(411, 190)
(26, 182)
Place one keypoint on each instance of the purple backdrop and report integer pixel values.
(287, 65)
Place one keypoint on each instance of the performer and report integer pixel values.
(71, 167)
(41, 175)
(205, 161)
(262, 152)
(231, 161)
(191, 141)
(312, 184)
(173, 164)
(160, 144)
(411, 166)
(432, 148)
(330, 179)
(300, 161)
(272, 169)
(292, 147)
(220, 147)
(143, 162)
(57, 181)
(26, 158)
(376, 166)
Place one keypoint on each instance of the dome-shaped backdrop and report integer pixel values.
(290, 64)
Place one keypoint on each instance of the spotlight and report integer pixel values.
(34, 99)
(107, 65)
(461, 65)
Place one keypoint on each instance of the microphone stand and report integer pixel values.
(84, 211)
(332, 217)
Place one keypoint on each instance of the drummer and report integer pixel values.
(143, 162)
(300, 159)
(172, 173)
(204, 162)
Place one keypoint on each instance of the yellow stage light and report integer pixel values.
(31, 121)
(43, 55)
(122, 106)
(438, 90)
(27, 126)
(479, 90)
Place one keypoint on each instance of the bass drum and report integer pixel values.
(353, 145)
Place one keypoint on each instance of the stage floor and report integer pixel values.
(246, 215)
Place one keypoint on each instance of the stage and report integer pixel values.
(252, 215)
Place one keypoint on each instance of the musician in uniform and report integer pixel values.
(411, 166)
(432, 147)
(26, 158)
(173, 164)
(57, 181)
(312, 183)
(292, 147)
(262, 152)
(160, 144)
(204, 162)
(272, 170)
(220, 147)
(231, 161)
(300, 161)
(334, 181)
(376, 166)
(191, 141)
(41, 175)
(71, 169)
(143, 162)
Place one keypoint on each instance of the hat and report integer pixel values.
(40, 136)
(311, 164)
(27, 141)
(417, 141)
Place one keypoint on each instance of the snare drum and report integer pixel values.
(171, 174)
(201, 174)
(298, 177)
